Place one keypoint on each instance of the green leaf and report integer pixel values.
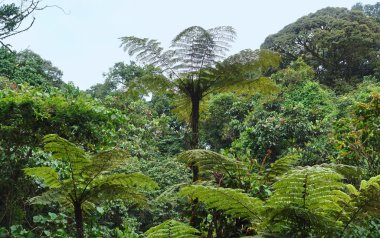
(172, 229)
(48, 175)
(232, 201)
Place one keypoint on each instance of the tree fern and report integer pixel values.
(232, 201)
(191, 65)
(88, 179)
(172, 229)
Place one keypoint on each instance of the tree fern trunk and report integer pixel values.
(78, 220)
(195, 101)
(193, 145)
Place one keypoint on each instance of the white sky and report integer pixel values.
(84, 43)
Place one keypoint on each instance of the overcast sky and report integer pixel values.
(84, 42)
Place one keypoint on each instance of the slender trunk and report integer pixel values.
(78, 220)
(193, 145)
(195, 132)
(195, 101)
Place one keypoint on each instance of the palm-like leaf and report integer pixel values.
(310, 196)
(281, 166)
(172, 229)
(197, 48)
(191, 51)
(48, 176)
(209, 161)
(315, 188)
(66, 151)
(232, 201)
(105, 162)
(49, 197)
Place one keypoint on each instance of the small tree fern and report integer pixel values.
(172, 229)
(88, 179)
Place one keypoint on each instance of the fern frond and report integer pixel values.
(149, 52)
(172, 229)
(209, 161)
(120, 186)
(262, 85)
(48, 197)
(315, 188)
(281, 166)
(64, 150)
(197, 48)
(349, 172)
(105, 162)
(126, 180)
(352, 190)
(48, 175)
(309, 195)
(366, 199)
(146, 50)
(232, 201)
(88, 207)
(89, 180)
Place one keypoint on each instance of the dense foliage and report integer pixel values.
(277, 142)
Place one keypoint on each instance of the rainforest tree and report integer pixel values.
(341, 45)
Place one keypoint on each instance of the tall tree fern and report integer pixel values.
(88, 179)
(190, 65)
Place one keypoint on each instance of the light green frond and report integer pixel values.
(64, 150)
(308, 192)
(48, 175)
(232, 201)
(262, 85)
(311, 187)
(348, 171)
(366, 199)
(110, 192)
(352, 190)
(374, 181)
(154, 83)
(136, 180)
(182, 107)
(172, 229)
(281, 166)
